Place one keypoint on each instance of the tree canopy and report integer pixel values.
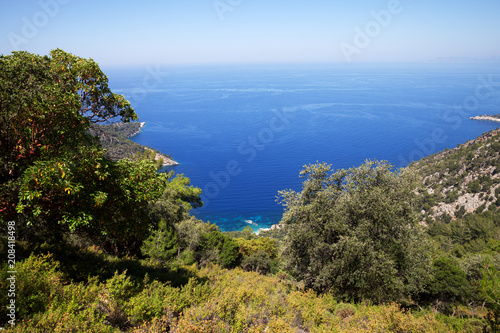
(55, 176)
(46, 106)
(354, 232)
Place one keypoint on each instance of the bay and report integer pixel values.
(243, 132)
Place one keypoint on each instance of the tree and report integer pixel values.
(162, 243)
(46, 106)
(219, 248)
(259, 262)
(355, 232)
(448, 285)
(54, 175)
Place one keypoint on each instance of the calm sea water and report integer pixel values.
(242, 133)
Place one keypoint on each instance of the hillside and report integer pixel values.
(96, 245)
(462, 180)
(115, 138)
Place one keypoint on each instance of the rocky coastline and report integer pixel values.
(487, 117)
(141, 125)
(167, 161)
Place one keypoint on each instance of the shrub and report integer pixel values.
(475, 187)
(37, 282)
(259, 262)
(345, 310)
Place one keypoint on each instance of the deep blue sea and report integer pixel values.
(242, 133)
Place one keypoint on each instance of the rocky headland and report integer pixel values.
(487, 117)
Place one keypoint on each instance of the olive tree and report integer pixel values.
(354, 232)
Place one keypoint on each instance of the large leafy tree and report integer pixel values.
(54, 175)
(354, 232)
(46, 106)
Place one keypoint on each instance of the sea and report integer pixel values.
(242, 133)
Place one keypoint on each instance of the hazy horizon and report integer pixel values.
(241, 32)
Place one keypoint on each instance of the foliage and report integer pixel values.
(176, 200)
(454, 175)
(354, 232)
(350, 235)
(218, 247)
(56, 179)
(46, 105)
(213, 300)
(262, 244)
(473, 233)
(259, 262)
(37, 282)
(106, 201)
(162, 244)
(448, 285)
(490, 292)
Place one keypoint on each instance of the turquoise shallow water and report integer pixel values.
(242, 133)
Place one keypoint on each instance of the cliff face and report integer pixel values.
(462, 180)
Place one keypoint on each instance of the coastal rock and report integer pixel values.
(167, 161)
(487, 117)
(139, 130)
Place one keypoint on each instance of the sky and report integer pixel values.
(130, 33)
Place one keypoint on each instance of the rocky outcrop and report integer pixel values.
(462, 180)
(138, 131)
(486, 117)
(167, 161)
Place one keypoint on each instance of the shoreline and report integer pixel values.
(141, 125)
(167, 161)
(486, 117)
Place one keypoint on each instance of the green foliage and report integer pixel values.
(354, 232)
(177, 199)
(36, 282)
(473, 233)
(262, 244)
(106, 201)
(259, 262)
(162, 243)
(56, 178)
(448, 285)
(84, 78)
(475, 187)
(490, 292)
(218, 247)
(213, 300)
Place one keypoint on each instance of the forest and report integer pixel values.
(99, 239)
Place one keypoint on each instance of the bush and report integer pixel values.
(37, 282)
(259, 262)
(475, 187)
(345, 310)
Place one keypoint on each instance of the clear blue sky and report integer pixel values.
(195, 31)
